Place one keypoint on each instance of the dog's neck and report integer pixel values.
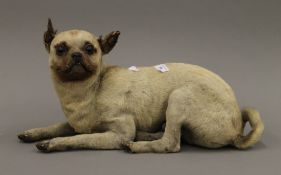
(78, 99)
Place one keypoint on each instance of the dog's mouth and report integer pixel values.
(75, 71)
(76, 68)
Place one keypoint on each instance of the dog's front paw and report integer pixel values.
(26, 137)
(44, 146)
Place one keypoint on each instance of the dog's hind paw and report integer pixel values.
(126, 146)
(43, 146)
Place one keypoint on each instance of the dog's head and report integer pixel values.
(76, 55)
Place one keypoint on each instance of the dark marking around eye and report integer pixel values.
(61, 48)
(89, 48)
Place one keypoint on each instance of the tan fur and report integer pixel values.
(114, 105)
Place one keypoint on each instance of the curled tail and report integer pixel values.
(253, 116)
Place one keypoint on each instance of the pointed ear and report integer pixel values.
(108, 42)
(49, 35)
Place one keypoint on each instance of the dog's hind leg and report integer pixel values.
(176, 114)
(147, 136)
(56, 130)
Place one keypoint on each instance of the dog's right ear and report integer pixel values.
(49, 35)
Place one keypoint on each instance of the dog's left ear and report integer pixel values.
(108, 42)
(49, 35)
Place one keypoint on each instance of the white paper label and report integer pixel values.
(133, 68)
(162, 68)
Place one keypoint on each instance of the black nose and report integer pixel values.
(76, 57)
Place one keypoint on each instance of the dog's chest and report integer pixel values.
(80, 115)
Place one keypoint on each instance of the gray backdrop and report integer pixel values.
(238, 39)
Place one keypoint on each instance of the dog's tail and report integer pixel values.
(253, 116)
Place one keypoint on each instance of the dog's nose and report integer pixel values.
(76, 57)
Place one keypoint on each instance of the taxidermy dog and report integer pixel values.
(144, 109)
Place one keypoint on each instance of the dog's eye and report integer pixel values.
(61, 49)
(89, 48)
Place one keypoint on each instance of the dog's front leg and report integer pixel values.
(56, 130)
(120, 130)
(106, 140)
